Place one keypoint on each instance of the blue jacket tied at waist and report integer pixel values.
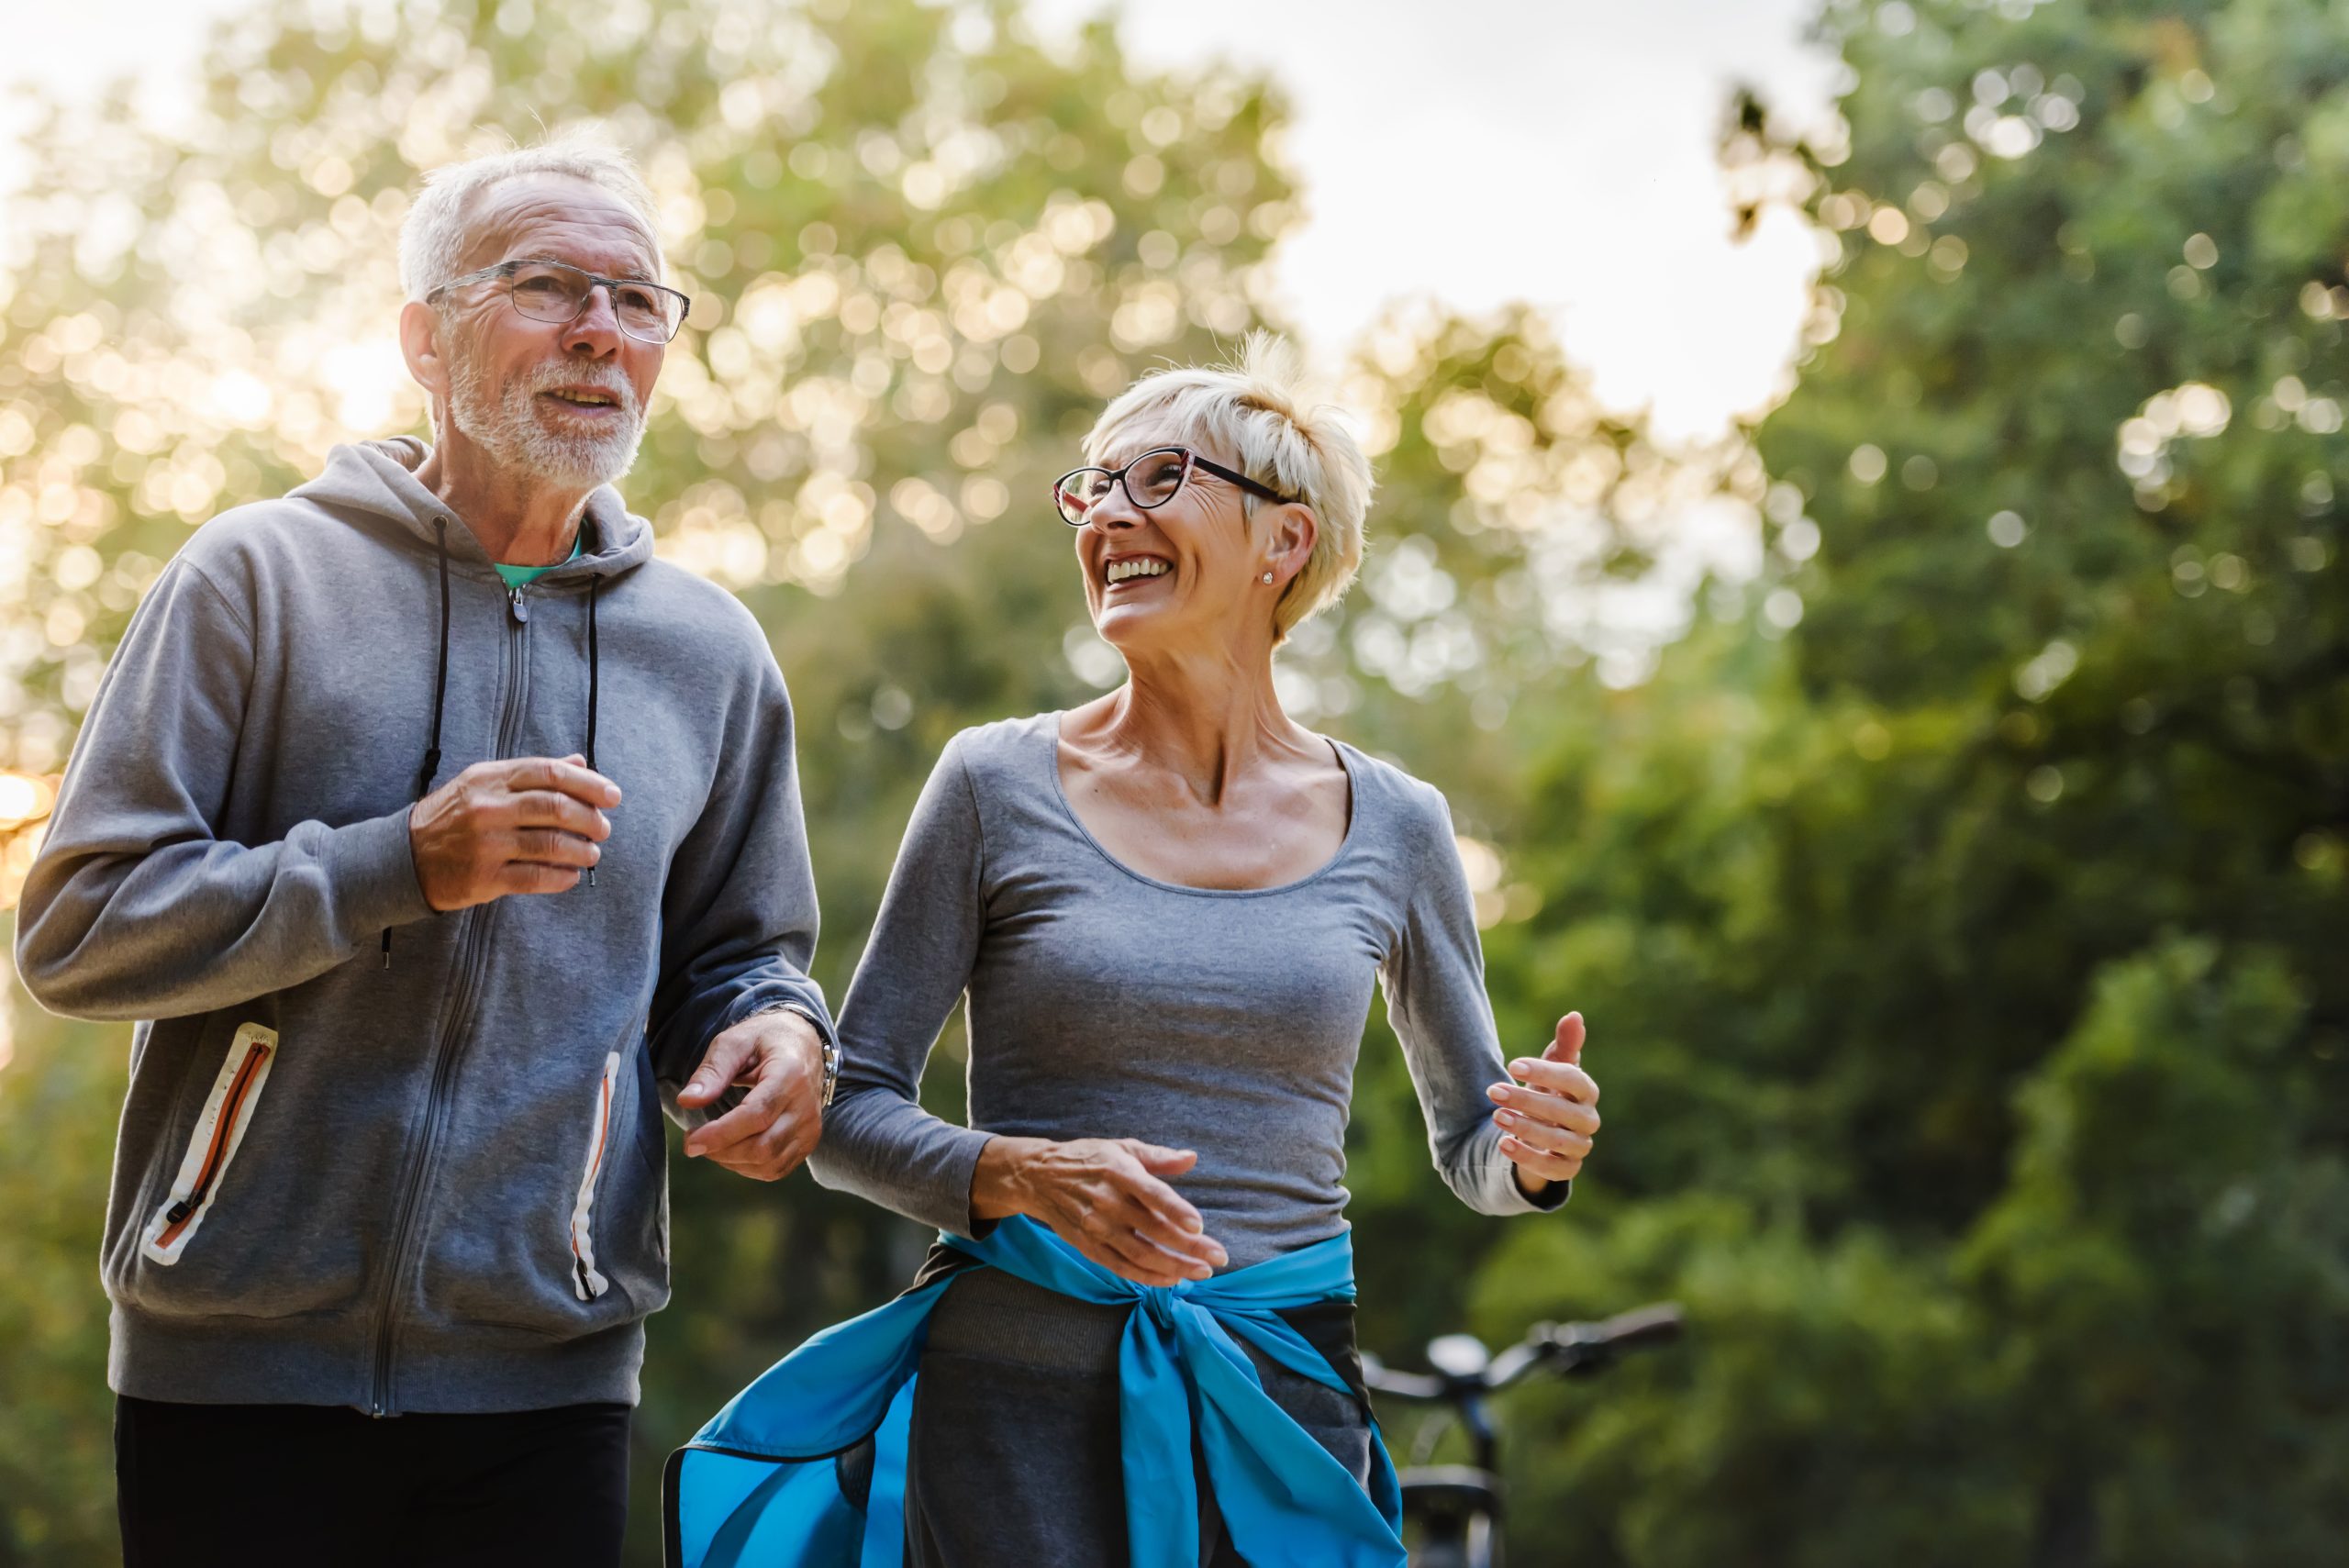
(760, 1483)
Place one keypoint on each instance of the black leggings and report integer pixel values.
(262, 1485)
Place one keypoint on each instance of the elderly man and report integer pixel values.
(436, 834)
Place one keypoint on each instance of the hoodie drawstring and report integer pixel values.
(440, 680)
(593, 584)
(440, 693)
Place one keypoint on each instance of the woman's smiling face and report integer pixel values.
(1178, 573)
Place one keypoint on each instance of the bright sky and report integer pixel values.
(1475, 151)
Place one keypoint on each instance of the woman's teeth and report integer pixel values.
(1144, 567)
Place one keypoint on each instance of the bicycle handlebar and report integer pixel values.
(1567, 1347)
(1402, 1385)
(1638, 1330)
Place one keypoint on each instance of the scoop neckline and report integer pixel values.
(1052, 748)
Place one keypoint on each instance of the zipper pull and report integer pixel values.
(178, 1212)
(513, 600)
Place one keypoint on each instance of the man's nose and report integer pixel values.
(596, 327)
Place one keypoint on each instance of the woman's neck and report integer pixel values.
(1205, 718)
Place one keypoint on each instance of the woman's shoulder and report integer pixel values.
(1409, 809)
(1002, 750)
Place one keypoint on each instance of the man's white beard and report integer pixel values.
(509, 431)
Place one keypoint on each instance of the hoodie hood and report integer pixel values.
(378, 478)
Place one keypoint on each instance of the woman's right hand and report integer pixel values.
(1106, 1198)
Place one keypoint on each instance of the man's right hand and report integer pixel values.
(521, 825)
(1106, 1198)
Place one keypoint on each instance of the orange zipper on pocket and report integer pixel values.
(218, 1132)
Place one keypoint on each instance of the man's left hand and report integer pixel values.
(781, 1058)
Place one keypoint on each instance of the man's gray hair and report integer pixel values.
(437, 232)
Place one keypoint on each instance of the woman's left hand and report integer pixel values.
(1548, 1122)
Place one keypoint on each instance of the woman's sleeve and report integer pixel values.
(1434, 981)
(878, 1141)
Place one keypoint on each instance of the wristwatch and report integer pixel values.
(831, 1048)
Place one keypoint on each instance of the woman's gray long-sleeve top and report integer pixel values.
(1107, 1004)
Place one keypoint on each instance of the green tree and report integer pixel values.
(1972, 917)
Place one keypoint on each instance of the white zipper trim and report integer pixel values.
(254, 1048)
(585, 1283)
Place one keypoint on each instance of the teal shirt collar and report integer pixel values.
(517, 575)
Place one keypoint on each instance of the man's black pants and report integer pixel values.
(263, 1485)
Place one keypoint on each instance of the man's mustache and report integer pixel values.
(603, 378)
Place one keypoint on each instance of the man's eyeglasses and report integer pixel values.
(560, 292)
(1151, 479)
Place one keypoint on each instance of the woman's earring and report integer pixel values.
(1268, 576)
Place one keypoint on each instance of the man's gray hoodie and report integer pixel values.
(429, 1175)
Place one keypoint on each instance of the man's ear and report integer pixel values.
(421, 346)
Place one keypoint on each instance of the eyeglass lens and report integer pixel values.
(560, 294)
(1151, 479)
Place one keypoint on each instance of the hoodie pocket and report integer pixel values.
(219, 1131)
(585, 1281)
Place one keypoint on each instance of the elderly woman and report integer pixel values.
(1167, 909)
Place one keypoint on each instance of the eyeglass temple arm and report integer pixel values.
(1241, 480)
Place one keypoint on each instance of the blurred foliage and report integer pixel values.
(1972, 924)
(1956, 899)
(925, 247)
(58, 1102)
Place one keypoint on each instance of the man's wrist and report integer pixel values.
(827, 1046)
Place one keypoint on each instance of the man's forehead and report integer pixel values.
(564, 219)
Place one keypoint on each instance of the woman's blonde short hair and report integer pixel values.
(1254, 410)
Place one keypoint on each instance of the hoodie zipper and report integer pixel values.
(212, 1143)
(473, 946)
(216, 1158)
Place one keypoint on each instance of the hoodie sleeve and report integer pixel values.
(879, 1142)
(134, 908)
(738, 916)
